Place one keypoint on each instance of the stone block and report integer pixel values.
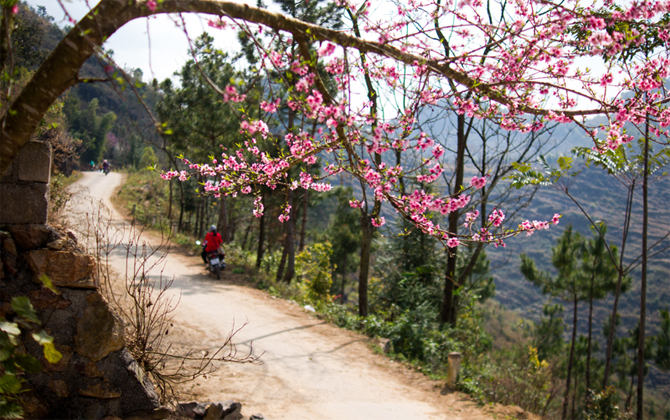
(99, 332)
(24, 203)
(64, 268)
(59, 388)
(100, 391)
(34, 162)
(32, 236)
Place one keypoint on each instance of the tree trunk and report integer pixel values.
(246, 234)
(617, 294)
(303, 228)
(364, 270)
(282, 261)
(344, 278)
(449, 312)
(197, 220)
(643, 275)
(181, 207)
(222, 225)
(290, 242)
(261, 236)
(566, 396)
(588, 346)
(169, 213)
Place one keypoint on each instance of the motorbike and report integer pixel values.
(106, 170)
(215, 260)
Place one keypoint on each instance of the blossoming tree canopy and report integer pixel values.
(502, 61)
(488, 60)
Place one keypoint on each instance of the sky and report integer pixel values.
(169, 45)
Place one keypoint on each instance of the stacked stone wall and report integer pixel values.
(97, 376)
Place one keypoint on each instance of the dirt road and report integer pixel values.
(310, 370)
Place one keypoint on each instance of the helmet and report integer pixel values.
(212, 228)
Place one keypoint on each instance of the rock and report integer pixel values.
(31, 208)
(58, 244)
(99, 332)
(62, 364)
(31, 236)
(99, 391)
(188, 409)
(94, 411)
(231, 410)
(214, 412)
(34, 162)
(123, 372)
(155, 414)
(34, 406)
(59, 388)
(91, 370)
(73, 236)
(9, 246)
(9, 255)
(258, 416)
(45, 298)
(64, 268)
(200, 410)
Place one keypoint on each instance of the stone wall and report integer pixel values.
(24, 188)
(97, 376)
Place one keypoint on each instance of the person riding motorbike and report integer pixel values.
(105, 166)
(213, 242)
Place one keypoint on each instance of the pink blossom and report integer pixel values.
(151, 5)
(453, 242)
(326, 49)
(478, 183)
(378, 222)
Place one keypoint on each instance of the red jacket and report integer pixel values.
(214, 241)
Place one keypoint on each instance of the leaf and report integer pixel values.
(6, 352)
(43, 338)
(52, 355)
(521, 167)
(10, 328)
(9, 384)
(10, 409)
(27, 363)
(23, 307)
(46, 281)
(565, 163)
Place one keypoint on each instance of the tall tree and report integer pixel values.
(600, 278)
(566, 285)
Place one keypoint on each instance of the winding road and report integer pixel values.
(310, 370)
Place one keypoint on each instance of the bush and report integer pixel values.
(603, 406)
(313, 264)
(511, 379)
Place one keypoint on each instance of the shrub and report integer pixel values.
(313, 264)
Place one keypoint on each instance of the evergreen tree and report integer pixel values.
(567, 285)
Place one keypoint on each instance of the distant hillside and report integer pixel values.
(604, 198)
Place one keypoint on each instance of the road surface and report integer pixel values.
(311, 370)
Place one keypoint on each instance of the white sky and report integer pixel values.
(169, 46)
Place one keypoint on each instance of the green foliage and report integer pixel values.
(88, 126)
(663, 341)
(14, 362)
(313, 264)
(148, 158)
(512, 378)
(548, 333)
(604, 405)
